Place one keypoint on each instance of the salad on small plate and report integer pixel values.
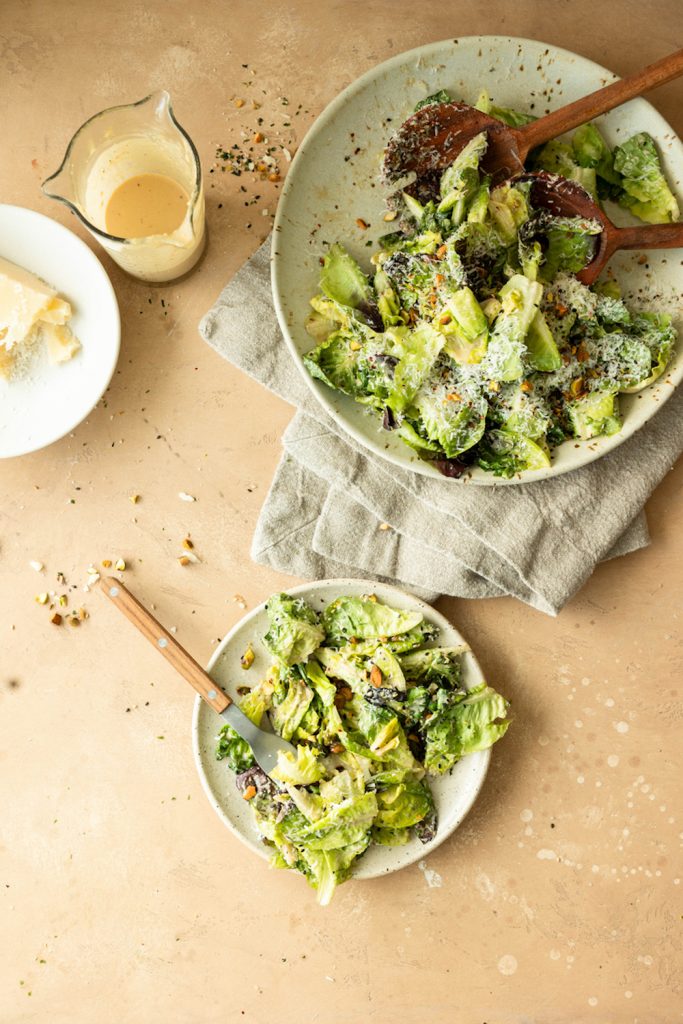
(390, 717)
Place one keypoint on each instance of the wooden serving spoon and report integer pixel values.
(266, 746)
(564, 198)
(430, 140)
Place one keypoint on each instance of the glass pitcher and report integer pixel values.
(116, 145)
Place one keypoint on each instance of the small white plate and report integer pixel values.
(43, 402)
(454, 793)
(333, 181)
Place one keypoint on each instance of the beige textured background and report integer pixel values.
(123, 896)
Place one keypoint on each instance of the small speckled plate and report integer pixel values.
(454, 794)
(333, 181)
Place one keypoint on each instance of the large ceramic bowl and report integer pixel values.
(454, 793)
(333, 181)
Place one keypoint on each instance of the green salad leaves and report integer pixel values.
(373, 707)
(470, 335)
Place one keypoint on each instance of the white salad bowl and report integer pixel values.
(454, 793)
(334, 181)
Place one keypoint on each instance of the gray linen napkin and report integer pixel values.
(328, 507)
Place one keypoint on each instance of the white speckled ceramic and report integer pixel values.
(333, 181)
(454, 794)
(43, 402)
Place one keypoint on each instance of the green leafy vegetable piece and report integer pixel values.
(558, 158)
(364, 618)
(295, 630)
(255, 703)
(416, 352)
(597, 413)
(441, 96)
(473, 723)
(387, 300)
(440, 665)
(526, 413)
(658, 333)
(357, 367)
(233, 749)
(391, 836)
(467, 334)
(389, 666)
(505, 453)
(302, 770)
(591, 150)
(403, 805)
(326, 869)
(508, 208)
(325, 690)
(452, 410)
(645, 189)
(460, 181)
(288, 714)
(342, 279)
(520, 299)
(514, 118)
(415, 637)
(542, 351)
(319, 327)
(570, 245)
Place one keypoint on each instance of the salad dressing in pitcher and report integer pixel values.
(133, 177)
(144, 205)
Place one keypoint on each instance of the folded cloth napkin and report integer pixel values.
(334, 509)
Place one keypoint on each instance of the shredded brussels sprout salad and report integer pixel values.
(374, 707)
(471, 337)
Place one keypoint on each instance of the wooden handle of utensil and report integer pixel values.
(649, 236)
(166, 643)
(588, 107)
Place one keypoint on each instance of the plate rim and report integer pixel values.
(115, 321)
(423, 468)
(484, 756)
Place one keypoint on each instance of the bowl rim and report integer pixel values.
(388, 589)
(589, 452)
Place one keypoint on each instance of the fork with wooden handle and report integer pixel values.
(266, 746)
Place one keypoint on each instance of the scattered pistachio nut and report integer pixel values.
(187, 544)
(184, 560)
(74, 620)
(37, 566)
(106, 563)
(120, 565)
(56, 619)
(135, 498)
(391, 215)
(42, 598)
(384, 526)
(63, 600)
(247, 659)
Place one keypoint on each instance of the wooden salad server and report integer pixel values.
(565, 198)
(430, 139)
